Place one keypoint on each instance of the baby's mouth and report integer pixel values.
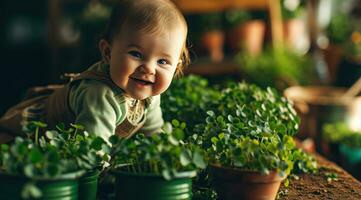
(141, 81)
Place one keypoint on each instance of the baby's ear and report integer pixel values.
(105, 50)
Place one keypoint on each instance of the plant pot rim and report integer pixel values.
(182, 174)
(246, 174)
(66, 176)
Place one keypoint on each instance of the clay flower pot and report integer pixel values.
(233, 183)
(212, 42)
(248, 35)
(295, 34)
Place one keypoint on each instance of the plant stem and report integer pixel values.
(37, 136)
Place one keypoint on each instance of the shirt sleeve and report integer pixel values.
(154, 119)
(96, 108)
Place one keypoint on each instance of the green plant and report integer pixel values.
(48, 154)
(236, 17)
(73, 142)
(34, 162)
(353, 47)
(188, 99)
(252, 129)
(280, 68)
(88, 150)
(342, 134)
(202, 23)
(292, 8)
(165, 153)
(331, 177)
(340, 28)
(23, 157)
(232, 18)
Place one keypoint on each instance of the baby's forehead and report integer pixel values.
(159, 30)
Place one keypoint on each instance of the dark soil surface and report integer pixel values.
(316, 186)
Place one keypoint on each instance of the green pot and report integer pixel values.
(58, 188)
(352, 155)
(129, 186)
(88, 185)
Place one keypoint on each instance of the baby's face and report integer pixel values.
(143, 64)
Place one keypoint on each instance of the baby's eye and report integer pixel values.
(163, 62)
(135, 54)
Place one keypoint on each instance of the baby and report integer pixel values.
(144, 46)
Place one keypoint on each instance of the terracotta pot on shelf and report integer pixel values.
(295, 34)
(333, 55)
(247, 36)
(233, 183)
(212, 42)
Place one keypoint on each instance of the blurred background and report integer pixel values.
(278, 43)
(43, 39)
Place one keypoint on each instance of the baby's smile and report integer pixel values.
(142, 81)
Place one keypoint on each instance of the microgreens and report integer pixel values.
(252, 129)
(165, 153)
(188, 99)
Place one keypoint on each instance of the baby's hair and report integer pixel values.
(151, 16)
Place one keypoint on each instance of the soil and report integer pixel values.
(316, 186)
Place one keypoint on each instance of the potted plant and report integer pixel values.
(206, 29)
(249, 144)
(294, 26)
(86, 152)
(338, 32)
(280, 68)
(351, 61)
(245, 31)
(162, 164)
(89, 151)
(30, 171)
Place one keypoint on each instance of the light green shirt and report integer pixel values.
(100, 108)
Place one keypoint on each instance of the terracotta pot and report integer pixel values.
(212, 42)
(295, 34)
(317, 105)
(332, 55)
(247, 36)
(236, 184)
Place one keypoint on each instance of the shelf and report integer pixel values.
(197, 6)
(211, 69)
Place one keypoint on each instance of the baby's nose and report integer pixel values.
(148, 68)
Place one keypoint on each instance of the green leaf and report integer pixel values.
(166, 174)
(51, 134)
(287, 182)
(53, 170)
(77, 126)
(178, 134)
(184, 158)
(97, 143)
(29, 170)
(4, 147)
(210, 113)
(114, 139)
(199, 160)
(35, 155)
(173, 140)
(175, 123)
(30, 190)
